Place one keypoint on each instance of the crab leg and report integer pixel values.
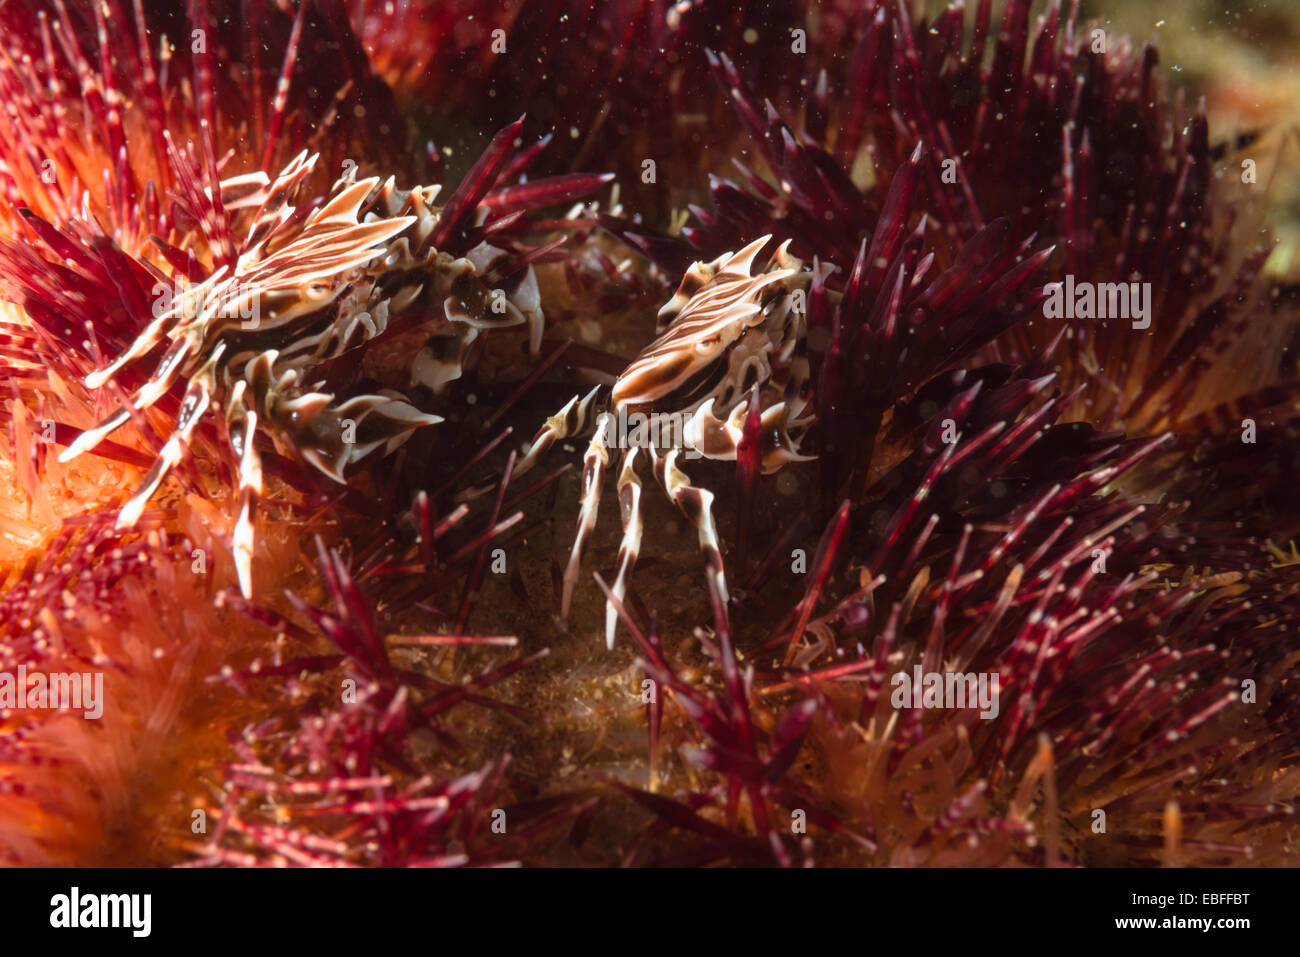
(697, 505)
(92, 437)
(242, 423)
(165, 376)
(629, 500)
(569, 421)
(158, 385)
(195, 403)
(156, 332)
(594, 464)
(719, 439)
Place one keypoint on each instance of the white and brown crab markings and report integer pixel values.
(318, 287)
(724, 336)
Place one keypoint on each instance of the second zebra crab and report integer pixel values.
(318, 288)
(726, 336)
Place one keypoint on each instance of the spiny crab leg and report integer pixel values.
(195, 402)
(594, 464)
(629, 501)
(569, 422)
(154, 388)
(720, 439)
(92, 437)
(193, 405)
(697, 505)
(156, 332)
(242, 423)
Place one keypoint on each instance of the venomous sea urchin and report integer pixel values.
(958, 346)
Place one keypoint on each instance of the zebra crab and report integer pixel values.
(725, 337)
(316, 288)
